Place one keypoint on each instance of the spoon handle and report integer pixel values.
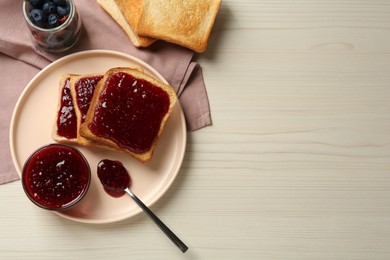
(158, 222)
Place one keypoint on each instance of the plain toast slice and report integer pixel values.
(111, 7)
(187, 23)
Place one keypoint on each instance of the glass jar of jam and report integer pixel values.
(56, 177)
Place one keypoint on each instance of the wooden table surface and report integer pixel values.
(295, 166)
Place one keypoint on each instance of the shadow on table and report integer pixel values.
(221, 25)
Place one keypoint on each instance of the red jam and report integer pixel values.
(114, 177)
(129, 112)
(66, 119)
(84, 92)
(56, 177)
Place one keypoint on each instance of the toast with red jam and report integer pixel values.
(82, 88)
(128, 112)
(65, 124)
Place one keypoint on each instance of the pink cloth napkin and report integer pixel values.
(20, 61)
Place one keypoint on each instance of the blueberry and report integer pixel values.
(49, 7)
(63, 10)
(59, 2)
(53, 20)
(36, 3)
(38, 17)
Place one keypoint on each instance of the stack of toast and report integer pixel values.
(123, 109)
(184, 22)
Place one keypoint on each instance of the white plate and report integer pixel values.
(33, 119)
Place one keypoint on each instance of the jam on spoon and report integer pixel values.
(114, 177)
(116, 181)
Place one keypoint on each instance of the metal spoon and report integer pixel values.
(158, 222)
(116, 181)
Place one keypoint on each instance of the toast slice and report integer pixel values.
(131, 11)
(82, 88)
(112, 8)
(64, 129)
(187, 23)
(128, 112)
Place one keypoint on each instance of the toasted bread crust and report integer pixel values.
(131, 11)
(111, 7)
(88, 134)
(187, 23)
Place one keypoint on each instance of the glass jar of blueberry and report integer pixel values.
(54, 24)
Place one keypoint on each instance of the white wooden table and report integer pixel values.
(295, 166)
